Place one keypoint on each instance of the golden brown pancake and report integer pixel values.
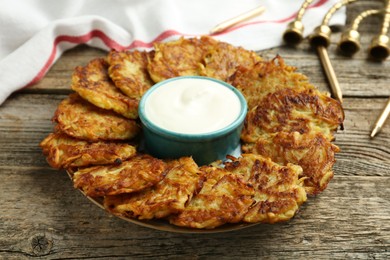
(93, 84)
(176, 58)
(222, 59)
(136, 174)
(312, 151)
(224, 198)
(128, 71)
(278, 189)
(290, 110)
(202, 56)
(63, 151)
(266, 77)
(167, 197)
(78, 118)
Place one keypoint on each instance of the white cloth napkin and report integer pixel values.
(34, 33)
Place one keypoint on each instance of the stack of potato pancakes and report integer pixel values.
(286, 141)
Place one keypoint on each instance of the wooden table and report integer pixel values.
(41, 214)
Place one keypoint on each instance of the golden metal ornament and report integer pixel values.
(350, 40)
(320, 40)
(321, 35)
(294, 32)
(379, 48)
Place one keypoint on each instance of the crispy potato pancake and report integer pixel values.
(78, 118)
(167, 197)
(290, 110)
(136, 174)
(129, 73)
(63, 151)
(312, 151)
(176, 58)
(202, 56)
(265, 77)
(224, 198)
(221, 60)
(278, 189)
(93, 84)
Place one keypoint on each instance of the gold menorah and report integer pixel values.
(350, 40)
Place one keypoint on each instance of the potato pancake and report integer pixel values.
(221, 60)
(93, 84)
(290, 110)
(63, 151)
(265, 77)
(78, 118)
(129, 73)
(278, 189)
(167, 197)
(136, 174)
(312, 151)
(224, 198)
(202, 56)
(176, 58)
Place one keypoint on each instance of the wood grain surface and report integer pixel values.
(43, 216)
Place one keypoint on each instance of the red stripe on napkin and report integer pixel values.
(110, 43)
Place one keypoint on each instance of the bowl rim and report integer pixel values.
(146, 122)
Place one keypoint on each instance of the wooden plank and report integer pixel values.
(24, 121)
(330, 225)
(58, 79)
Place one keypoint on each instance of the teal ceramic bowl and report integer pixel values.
(205, 147)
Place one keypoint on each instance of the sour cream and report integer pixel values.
(192, 106)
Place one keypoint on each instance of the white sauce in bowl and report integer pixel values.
(192, 106)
